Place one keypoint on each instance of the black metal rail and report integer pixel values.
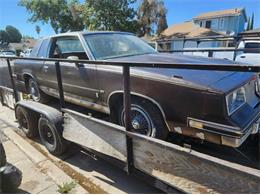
(126, 82)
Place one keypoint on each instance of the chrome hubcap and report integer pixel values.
(140, 121)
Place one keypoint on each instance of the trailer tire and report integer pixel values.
(145, 116)
(51, 136)
(27, 121)
(36, 93)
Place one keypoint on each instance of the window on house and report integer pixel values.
(208, 24)
(200, 23)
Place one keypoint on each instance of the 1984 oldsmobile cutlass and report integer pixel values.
(216, 106)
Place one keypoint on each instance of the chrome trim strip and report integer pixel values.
(77, 100)
(146, 97)
(214, 125)
(70, 85)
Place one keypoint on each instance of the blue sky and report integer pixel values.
(178, 12)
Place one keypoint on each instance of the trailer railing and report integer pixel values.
(126, 82)
(231, 39)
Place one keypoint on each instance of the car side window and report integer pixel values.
(252, 48)
(36, 49)
(65, 47)
(43, 49)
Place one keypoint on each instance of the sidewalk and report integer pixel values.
(40, 175)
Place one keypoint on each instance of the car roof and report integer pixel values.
(86, 33)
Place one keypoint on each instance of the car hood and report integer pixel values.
(218, 80)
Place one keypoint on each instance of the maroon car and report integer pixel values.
(216, 106)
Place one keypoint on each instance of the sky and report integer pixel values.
(178, 12)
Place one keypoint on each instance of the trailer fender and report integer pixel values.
(50, 113)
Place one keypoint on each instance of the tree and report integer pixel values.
(112, 15)
(61, 14)
(248, 23)
(4, 38)
(148, 15)
(252, 22)
(38, 30)
(162, 23)
(13, 34)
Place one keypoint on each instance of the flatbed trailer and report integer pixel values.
(167, 166)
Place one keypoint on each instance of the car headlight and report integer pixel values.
(235, 100)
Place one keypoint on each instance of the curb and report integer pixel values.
(42, 162)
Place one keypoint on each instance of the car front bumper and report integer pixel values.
(215, 132)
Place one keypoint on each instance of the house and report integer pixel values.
(229, 22)
(190, 34)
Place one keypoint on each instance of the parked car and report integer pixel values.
(216, 106)
(251, 53)
(7, 53)
(26, 53)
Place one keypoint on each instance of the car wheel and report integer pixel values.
(51, 137)
(146, 119)
(27, 121)
(35, 92)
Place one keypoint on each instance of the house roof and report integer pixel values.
(181, 29)
(189, 30)
(256, 30)
(221, 13)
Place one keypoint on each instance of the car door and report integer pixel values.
(79, 80)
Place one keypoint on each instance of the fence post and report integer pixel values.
(60, 87)
(12, 80)
(127, 117)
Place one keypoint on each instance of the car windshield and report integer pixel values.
(115, 45)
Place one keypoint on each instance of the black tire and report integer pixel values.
(27, 121)
(148, 116)
(36, 93)
(11, 179)
(2, 155)
(51, 137)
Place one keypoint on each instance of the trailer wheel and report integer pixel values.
(27, 121)
(51, 137)
(36, 93)
(145, 119)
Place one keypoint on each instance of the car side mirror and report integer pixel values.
(73, 58)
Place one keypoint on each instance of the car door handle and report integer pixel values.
(242, 56)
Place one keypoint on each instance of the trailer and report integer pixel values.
(168, 167)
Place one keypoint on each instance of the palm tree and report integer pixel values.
(38, 30)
